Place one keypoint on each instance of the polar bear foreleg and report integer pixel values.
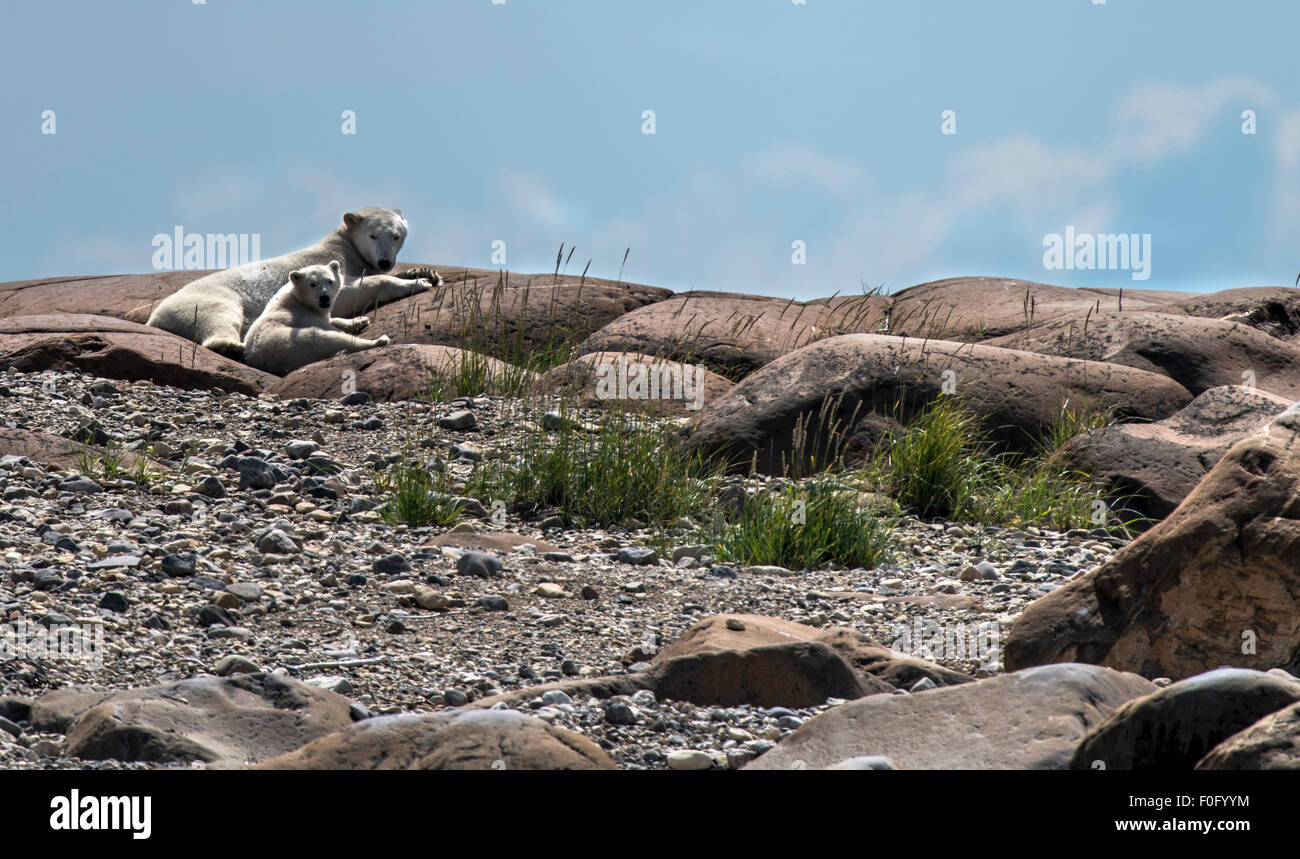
(351, 326)
(376, 289)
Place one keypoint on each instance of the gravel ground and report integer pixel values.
(182, 583)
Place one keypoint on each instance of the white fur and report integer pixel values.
(216, 310)
(296, 328)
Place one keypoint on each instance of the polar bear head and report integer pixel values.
(316, 285)
(377, 234)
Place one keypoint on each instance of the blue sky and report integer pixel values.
(774, 122)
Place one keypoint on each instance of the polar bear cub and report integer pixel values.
(215, 310)
(296, 328)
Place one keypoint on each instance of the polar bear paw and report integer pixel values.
(355, 325)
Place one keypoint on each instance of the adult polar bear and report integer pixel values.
(217, 309)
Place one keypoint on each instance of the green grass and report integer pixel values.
(942, 465)
(109, 463)
(809, 525)
(935, 464)
(626, 467)
(474, 374)
(413, 494)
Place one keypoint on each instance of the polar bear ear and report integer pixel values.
(334, 265)
(399, 212)
(295, 277)
(351, 219)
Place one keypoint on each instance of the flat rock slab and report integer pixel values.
(1197, 353)
(1219, 572)
(125, 296)
(797, 674)
(744, 632)
(1155, 465)
(458, 740)
(1274, 310)
(1173, 728)
(44, 447)
(226, 722)
(387, 374)
(634, 382)
(117, 349)
(979, 308)
(1028, 720)
(731, 335)
(509, 315)
(873, 378)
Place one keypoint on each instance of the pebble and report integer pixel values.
(234, 664)
(689, 760)
(460, 420)
(637, 556)
(479, 564)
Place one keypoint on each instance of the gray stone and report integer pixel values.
(479, 564)
(276, 542)
(460, 420)
(394, 563)
(637, 556)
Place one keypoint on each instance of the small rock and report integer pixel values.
(636, 556)
(394, 563)
(689, 760)
(276, 542)
(234, 664)
(461, 420)
(479, 564)
(180, 565)
(113, 601)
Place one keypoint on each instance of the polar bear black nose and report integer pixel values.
(385, 264)
(324, 301)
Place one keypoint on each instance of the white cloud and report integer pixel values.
(795, 165)
(534, 201)
(1160, 120)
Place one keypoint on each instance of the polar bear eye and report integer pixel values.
(374, 237)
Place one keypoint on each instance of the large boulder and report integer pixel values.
(457, 740)
(738, 633)
(977, 308)
(730, 334)
(735, 659)
(1174, 728)
(1274, 310)
(124, 296)
(391, 373)
(1196, 353)
(639, 383)
(1155, 465)
(226, 721)
(1272, 743)
(509, 316)
(50, 449)
(1213, 584)
(116, 349)
(797, 674)
(59, 709)
(873, 377)
(1027, 720)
